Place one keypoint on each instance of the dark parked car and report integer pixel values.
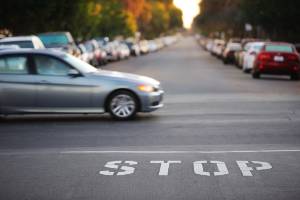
(47, 81)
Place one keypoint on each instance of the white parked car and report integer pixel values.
(28, 42)
(249, 56)
(218, 47)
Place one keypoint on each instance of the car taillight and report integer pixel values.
(264, 57)
(293, 57)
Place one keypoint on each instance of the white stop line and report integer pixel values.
(127, 167)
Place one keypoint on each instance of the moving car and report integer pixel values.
(277, 59)
(250, 55)
(48, 81)
(31, 42)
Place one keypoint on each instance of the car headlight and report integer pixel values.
(146, 88)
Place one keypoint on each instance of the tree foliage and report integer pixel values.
(275, 19)
(87, 18)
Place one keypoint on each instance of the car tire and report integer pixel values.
(246, 71)
(255, 75)
(295, 77)
(2, 117)
(122, 105)
(225, 61)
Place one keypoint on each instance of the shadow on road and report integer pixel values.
(72, 119)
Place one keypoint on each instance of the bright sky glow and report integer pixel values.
(190, 9)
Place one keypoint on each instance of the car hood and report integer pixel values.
(127, 77)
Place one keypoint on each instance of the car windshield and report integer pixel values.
(279, 48)
(79, 64)
(54, 39)
(21, 44)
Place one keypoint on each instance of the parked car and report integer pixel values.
(250, 55)
(57, 82)
(91, 52)
(297, 47)
(134, 48)
(111, 50)
(277, 59)
(239, 55)
(159, 43)
(218, 47)
(31, 42)
(62, 41)
(209, 45)
(152, 46)
(144, 46)
(84, 54)
(228, 53)
(99, 55)
(123, 50)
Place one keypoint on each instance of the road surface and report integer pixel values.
(221, 135)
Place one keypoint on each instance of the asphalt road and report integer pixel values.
(221, 135)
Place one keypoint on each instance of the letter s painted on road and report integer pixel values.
(120, 168)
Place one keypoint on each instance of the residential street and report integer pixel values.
(220, 135)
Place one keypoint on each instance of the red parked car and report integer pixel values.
(277, 59)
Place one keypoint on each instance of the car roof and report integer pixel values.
(50, 52)
(256, 43)
(279, 43)
(18, 38)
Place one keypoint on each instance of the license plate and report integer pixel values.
(278, 58)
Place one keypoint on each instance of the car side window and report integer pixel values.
(14, 65)
(48, 66)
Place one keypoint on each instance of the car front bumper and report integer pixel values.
(152, 101)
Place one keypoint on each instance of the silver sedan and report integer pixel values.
(43, 81)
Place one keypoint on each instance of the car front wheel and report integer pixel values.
(295, 77)
(122, 105)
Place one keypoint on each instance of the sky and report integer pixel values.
(190, 9)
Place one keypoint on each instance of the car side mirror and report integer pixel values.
(74, 73)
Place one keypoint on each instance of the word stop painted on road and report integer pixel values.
(121, 168)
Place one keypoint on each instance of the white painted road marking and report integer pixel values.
(164, 166)
(221, 167)
(181, 152)
(126, 170)
(246, 170)
(198, 167)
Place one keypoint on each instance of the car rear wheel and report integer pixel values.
(247, 71)
(255, 75)
(122, 105)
